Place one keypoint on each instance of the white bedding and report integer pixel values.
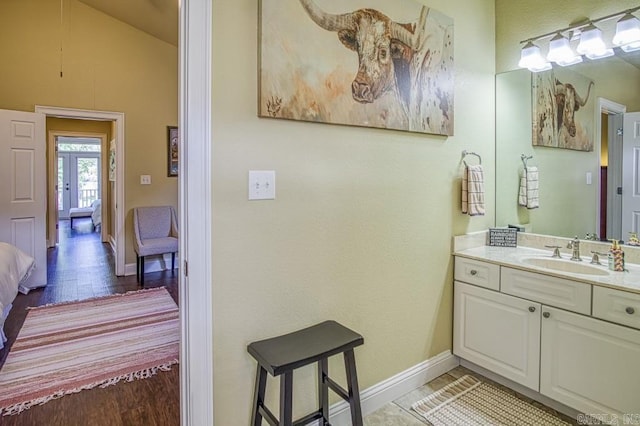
(96, 216)
(15, 267)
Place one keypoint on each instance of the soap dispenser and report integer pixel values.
(616, 257)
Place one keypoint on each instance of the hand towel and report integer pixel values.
(473, 191)
(528, 195)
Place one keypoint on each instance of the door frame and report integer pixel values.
(608, 107)
(196, 207)
(118, 118)
(52, 180)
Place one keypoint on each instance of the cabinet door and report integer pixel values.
(498, 332)
(588, 364)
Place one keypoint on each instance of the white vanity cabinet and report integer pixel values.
(588, 364)
(499, 332)
(565, 351)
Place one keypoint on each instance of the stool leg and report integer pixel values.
(286, 399)
(258, 395)
(354, 392)
(323, 390)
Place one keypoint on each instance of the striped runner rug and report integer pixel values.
(469, 401)
(68, 347)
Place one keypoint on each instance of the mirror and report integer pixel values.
(570, 190)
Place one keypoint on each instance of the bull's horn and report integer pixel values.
(400, 32)
(579, 99)
(328, 21)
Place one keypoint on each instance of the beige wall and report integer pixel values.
(107, 65)
(361, 228)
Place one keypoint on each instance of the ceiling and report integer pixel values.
(158, 18)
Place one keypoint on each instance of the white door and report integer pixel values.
(498, 332)
(588, 364)
(23, 188)
(631, 174)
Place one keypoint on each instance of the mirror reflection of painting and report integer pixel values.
(172, 137)
(563, 110)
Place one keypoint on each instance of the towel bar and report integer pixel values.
(525, 158)
(465, 153)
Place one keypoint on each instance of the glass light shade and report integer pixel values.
(532, 59)
(627, 31)
(591, 43)
(631, 47)
(561, 53)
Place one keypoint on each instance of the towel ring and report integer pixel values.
(525, 158)
(465, 153)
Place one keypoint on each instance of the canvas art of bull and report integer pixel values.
(559, 116)
(404, 73)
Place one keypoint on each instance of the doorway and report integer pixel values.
(79, 174)
(609, 139)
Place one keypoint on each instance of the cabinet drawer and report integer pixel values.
(476, 272)
(616, 306)
(561, 293)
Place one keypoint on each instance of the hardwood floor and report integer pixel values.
(79, 268)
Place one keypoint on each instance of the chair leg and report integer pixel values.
(354, 392)
(71, 219)
(258, 396)
(286, 399)
(142, 271)
(173, 261)
(137, 268)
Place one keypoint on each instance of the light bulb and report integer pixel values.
(532, 59)
(591, 44)
(627, 31)
(560, 52)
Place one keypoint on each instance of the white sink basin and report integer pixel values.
(566, 266)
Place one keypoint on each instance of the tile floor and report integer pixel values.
(399, 412)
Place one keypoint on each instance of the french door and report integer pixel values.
(78, 180)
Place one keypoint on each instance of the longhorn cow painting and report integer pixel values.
(563, 110)
(387, 65)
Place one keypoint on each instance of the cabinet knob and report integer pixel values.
(532, 308)
(546, 314)
(474, 272)
(630, 310)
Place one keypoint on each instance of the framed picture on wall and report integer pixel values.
(364, 63)
(172, 151)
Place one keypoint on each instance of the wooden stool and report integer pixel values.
(281, 355)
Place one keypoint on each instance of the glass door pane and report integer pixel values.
(64, 177)
(87, 180)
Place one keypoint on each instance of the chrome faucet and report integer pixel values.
(575, 246)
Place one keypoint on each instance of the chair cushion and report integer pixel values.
(154, 222)
(158, 246)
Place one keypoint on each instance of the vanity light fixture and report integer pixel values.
(627, 33)
(591, 43)
(531, 58)
(561, 53)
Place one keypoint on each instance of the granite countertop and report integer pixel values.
(517, 257)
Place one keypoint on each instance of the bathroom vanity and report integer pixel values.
(568, 330)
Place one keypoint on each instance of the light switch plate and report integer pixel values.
(145, 179)
(262, 185)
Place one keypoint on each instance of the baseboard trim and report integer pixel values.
(394, 387)
(153, 264)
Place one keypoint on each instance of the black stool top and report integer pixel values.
(290, 351)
